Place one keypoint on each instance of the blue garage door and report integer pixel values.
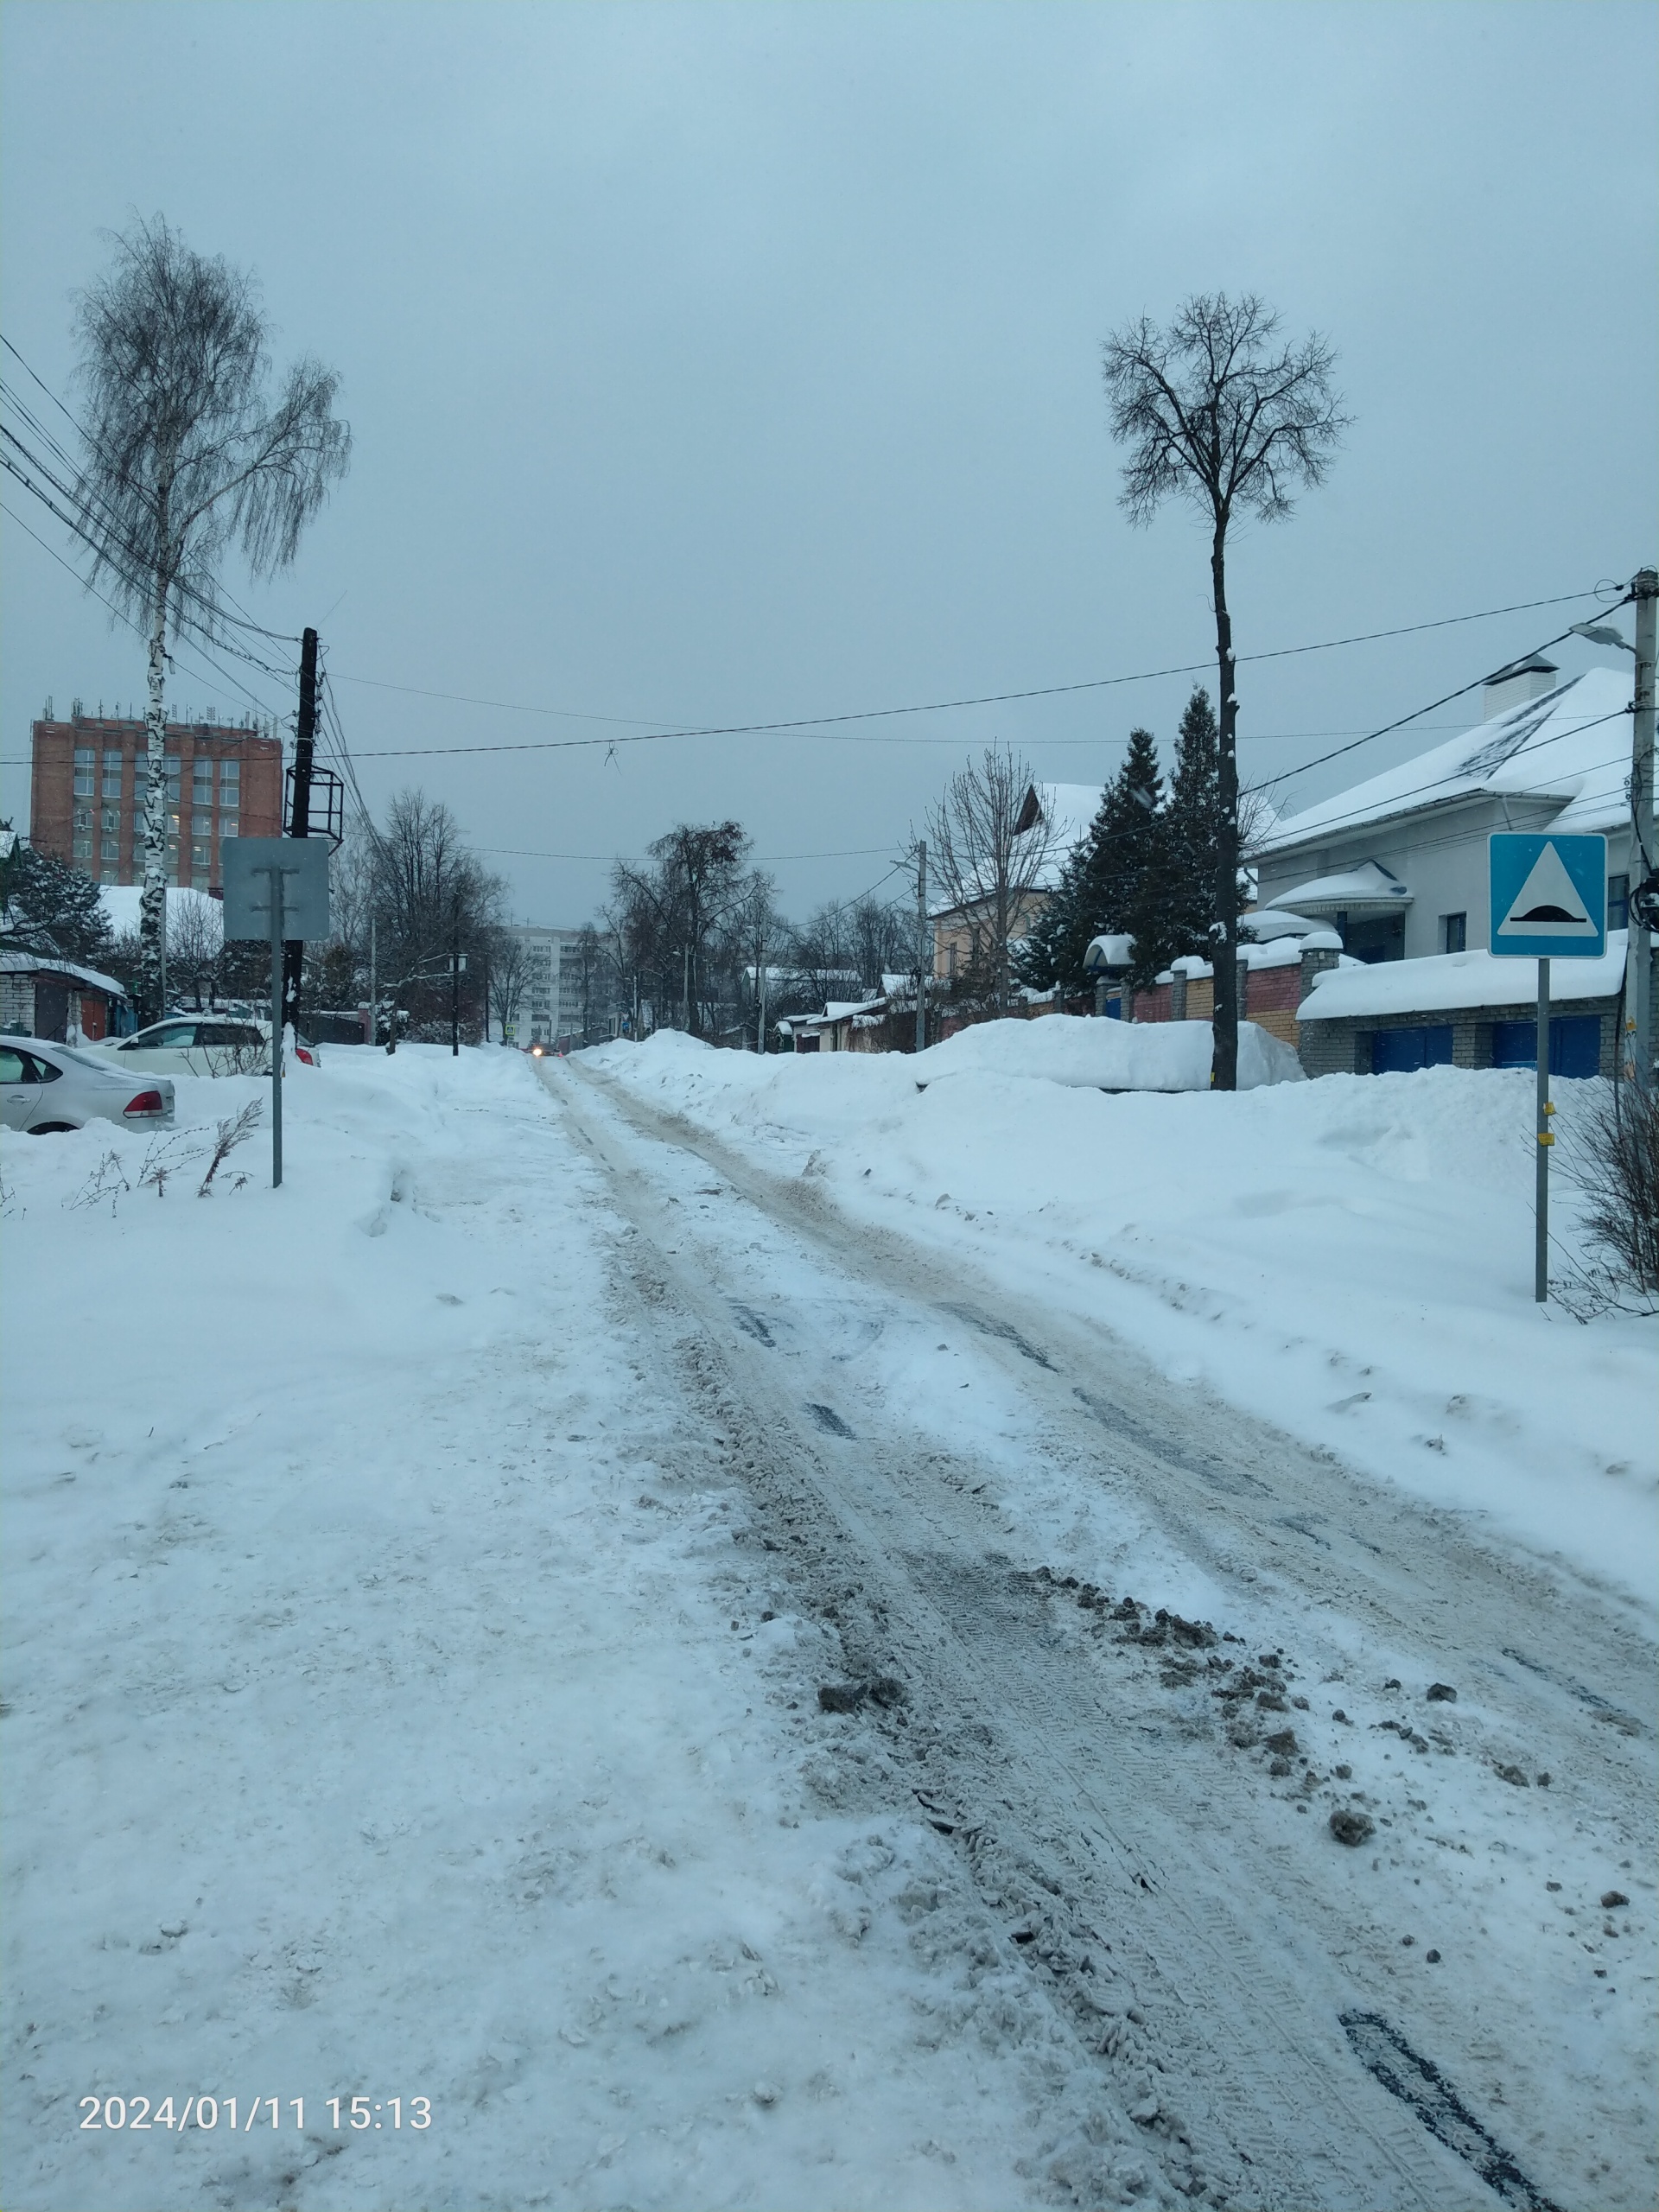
(1574, 1044)
(1401, 1051)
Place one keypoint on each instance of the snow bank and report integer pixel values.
(1351, 1259)
(376, 1725)
(1106, 1055)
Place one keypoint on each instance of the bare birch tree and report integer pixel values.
(186, 453)
(1215, 409)
(991, 848)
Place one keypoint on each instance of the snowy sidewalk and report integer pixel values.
(376, 1725)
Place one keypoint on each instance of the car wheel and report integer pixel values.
(51, 1129)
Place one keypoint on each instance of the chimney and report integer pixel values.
(1513, 685)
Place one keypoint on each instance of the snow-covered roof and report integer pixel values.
(48, 963)
(120, 902)
(1572, 744)
(1445, 981)
(1367, 889)
(835, 1010)
(1265, 922)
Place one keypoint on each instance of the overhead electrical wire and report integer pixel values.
(814, 723)
(22, 761)
(246, 620)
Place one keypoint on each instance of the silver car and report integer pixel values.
(45, 1087)
(195, 1045)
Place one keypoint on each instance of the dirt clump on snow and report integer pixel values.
(1352, 1827)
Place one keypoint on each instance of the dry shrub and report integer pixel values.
(1615, 1164)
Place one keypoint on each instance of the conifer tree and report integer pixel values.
(1194, 829)
(51, 908)
(1136, 873)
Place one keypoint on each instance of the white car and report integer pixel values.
(45, 1087)
(202, 1045)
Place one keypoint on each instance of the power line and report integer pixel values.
(637, 860)
(247, 622)
(823, 723)
(206, 622)
(22, 761)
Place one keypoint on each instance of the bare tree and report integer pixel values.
(991, 848)
(670, 910)
(508, 971)
(749, 946)
(186, 453)
(196, 940)
(1215, 409)
(432, 900)
(883, 939)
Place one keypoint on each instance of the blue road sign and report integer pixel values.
(1548, 894)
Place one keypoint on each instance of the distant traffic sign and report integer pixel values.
(1548, 896)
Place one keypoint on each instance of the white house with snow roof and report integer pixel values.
(1396, 865)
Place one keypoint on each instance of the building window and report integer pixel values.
(1618, 902)
(1454, 932)
(111, 775)
(111, 852)
(86, 767)
(201, 784)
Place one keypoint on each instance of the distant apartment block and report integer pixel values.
(550, 1008)
(86, 794)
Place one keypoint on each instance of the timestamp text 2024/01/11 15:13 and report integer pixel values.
(242, 2115)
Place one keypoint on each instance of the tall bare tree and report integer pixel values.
(671, 908)
(188, 452)
(432, 900)
(991, 848)
(509, 972)
(1215, 409)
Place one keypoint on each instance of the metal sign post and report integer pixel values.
(1541, 1180)
(275, 888)
(1548, 901)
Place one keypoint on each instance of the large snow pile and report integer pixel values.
(376, 1724)
(1106, 1055)
(1351, 1258)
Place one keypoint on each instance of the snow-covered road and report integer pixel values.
(1003, 1513)
(413, 1691)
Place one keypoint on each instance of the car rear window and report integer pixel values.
(168, 1036)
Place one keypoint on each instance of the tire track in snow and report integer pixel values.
(1056, 1798)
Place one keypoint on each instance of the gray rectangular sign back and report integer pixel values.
(246, 862)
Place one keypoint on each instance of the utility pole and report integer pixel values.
(457, 965)
(687, 991)
(374, 987)
(760, 996)
(299, 820)
(1644, 589)
(923, 948)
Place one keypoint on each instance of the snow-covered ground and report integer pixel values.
(419, 1583)
(1352, 1259)
(386, 1716)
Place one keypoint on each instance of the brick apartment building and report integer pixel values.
(86, 794)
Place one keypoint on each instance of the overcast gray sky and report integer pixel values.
(726, 364)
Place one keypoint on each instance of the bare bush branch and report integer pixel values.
(232, 1132)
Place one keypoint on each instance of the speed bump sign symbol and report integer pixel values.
(1548, 896)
